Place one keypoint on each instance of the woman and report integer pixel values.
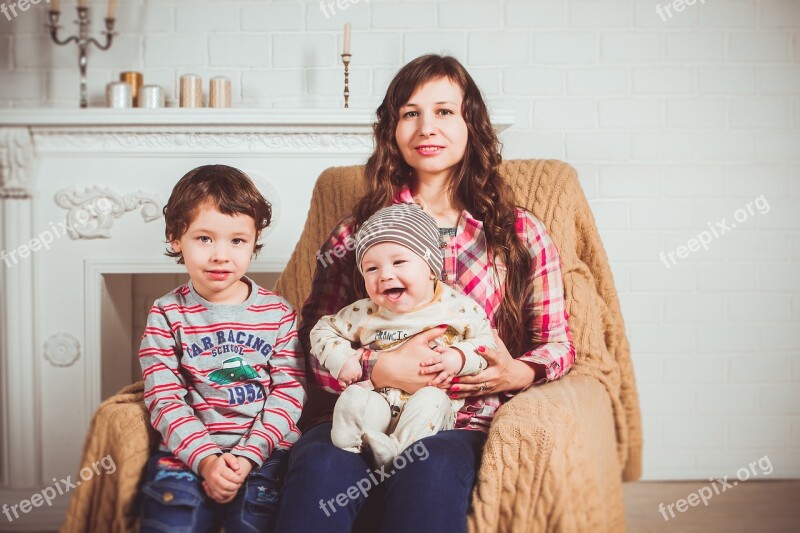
(434, 143)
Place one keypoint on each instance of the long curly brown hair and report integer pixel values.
(476, 183)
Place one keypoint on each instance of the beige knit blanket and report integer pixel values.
(556, 454)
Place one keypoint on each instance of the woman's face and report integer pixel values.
(431, 132)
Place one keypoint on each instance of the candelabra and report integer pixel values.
(346, 61)
(83, 40)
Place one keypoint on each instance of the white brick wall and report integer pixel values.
(672, 124)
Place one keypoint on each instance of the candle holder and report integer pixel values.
(346, 61)
(83, 40)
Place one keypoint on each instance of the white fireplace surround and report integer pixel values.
(96, 180)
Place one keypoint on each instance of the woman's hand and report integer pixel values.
(504, 373)
(401, 368)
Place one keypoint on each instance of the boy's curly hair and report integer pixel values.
(225, 188)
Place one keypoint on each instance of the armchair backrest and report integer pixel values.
(551, 191)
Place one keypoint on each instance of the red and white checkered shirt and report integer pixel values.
(468, 269)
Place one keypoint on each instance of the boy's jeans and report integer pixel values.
(173, 498)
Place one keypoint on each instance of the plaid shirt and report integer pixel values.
(468, 269)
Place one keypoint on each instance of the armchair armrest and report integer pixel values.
(120, 430)
(551, 462)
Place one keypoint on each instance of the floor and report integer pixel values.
(751, 506)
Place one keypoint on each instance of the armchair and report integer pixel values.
(556, 455)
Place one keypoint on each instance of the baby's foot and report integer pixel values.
(381, 447)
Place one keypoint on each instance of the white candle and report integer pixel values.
(346, 39)
(112, 5)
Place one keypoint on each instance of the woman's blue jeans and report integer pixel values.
(427, 488)
(173, 498)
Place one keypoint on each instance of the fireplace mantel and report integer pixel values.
(173, 116)
(263, 131)
(234, 117)
(56, 163)
(185, 131)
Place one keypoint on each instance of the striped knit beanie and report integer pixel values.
(404, 224)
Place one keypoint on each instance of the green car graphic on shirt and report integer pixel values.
(233, 370)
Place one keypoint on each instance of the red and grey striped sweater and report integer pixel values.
(223, 377)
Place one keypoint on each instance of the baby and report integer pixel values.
(398, 252)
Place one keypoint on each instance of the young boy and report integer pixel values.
(223, 369)
(398, 253)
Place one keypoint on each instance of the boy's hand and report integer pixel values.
(245, 466)
(220, 477)
(351, 370)
(448, 364)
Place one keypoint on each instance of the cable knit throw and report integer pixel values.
(556, 455)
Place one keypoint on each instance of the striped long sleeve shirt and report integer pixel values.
(467, 269)
(223, 377)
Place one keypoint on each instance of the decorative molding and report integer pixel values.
(200, 119)
(203, 116)
(16, 159)
(215, 138)
(92, 212)
(318, 132)
(62, 349)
